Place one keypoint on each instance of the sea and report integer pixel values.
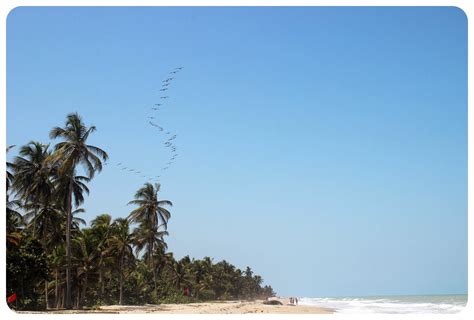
(391, 304)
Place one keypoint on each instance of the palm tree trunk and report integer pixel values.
(78, 296)
(150, 257)
(84, 290)
(45, 248)
(101, 284)
(56, 279)
(46, 293)
(121, 279)
(34, 220)
(68, 244)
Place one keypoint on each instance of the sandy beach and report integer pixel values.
(224, 307)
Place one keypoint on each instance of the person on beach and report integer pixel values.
(296, 301)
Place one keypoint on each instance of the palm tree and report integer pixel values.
(14, 218)
(150, 209)
(150, 212)
(14, 221)
(9, 175)
(69, 154)
(180, 274)
(151, 215)
(85, 258)
(121, 242)
(32, 181)
(150, 238)
(56, 261)
(101, 227)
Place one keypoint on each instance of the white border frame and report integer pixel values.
(7, 5)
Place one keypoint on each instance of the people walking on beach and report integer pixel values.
(296, 301)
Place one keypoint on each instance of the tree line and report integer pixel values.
(54, 261)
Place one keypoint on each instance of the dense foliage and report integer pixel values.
(54, 263)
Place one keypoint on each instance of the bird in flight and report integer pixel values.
(165, 97)
(179, 68)
(119, 163)
(164, 89)
(173, 72)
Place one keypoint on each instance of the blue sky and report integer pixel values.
(324, 147)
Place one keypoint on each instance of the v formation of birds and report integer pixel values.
(152, 122)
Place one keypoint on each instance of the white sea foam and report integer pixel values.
(398, 304)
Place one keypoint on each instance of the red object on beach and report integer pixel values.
(11, 298)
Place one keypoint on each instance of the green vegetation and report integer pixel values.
(54, 263)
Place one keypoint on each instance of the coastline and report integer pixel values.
(214, 307)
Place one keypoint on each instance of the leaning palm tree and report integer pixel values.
(69, 154)
(120, 243)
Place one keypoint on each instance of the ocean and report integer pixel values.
(391, 304)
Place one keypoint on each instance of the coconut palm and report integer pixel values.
(150, 209)
(180, 274)
(9, 175)
(69, 154)
(151, 215)
(32, 181)
(120, 243)
(14, 221)
(56, 261)
(149, 238)
(101, 227)
(85, 259)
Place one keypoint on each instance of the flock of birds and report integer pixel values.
(152, 121)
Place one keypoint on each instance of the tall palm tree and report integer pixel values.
(120, 243)
(151, 214)
(69, 154)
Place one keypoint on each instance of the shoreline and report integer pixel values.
(213, 307)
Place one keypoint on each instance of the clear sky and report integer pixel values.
(324, 147)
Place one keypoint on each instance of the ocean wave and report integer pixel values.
(398, 305)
